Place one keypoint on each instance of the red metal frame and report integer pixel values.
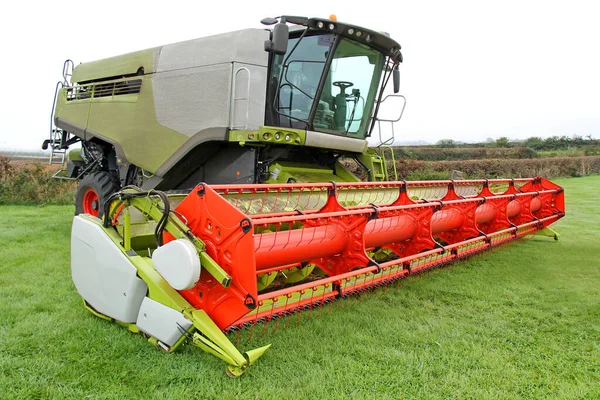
(256, 229)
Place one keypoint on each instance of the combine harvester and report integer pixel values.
(262, 236)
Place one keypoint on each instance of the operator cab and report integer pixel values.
(327, 76)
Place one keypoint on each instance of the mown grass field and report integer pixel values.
(523, 322)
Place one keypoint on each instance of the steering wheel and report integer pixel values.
(343, 85)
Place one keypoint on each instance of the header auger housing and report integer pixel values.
(227, 256)
(263, 118)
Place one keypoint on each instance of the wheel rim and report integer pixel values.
(91, 204)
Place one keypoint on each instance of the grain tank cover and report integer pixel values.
(239, 46)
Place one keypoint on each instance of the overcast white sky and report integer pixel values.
(472, 69)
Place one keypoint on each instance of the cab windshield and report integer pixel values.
(344, 103)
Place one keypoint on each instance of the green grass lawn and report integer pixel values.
(520, 322)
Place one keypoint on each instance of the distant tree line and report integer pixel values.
(561, 142)
(461, 153)
(551, 143)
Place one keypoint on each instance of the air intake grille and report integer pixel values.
(104, 89)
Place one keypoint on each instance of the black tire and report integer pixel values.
(93, 191)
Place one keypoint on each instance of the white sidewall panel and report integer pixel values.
(102, 274)
(162, 322)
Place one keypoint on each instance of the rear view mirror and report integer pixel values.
(279, 39)
(281, 35)
(396, 79)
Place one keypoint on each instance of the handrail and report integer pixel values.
(391, 121)
(391, 149)
(67, 73)
(244, 97)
